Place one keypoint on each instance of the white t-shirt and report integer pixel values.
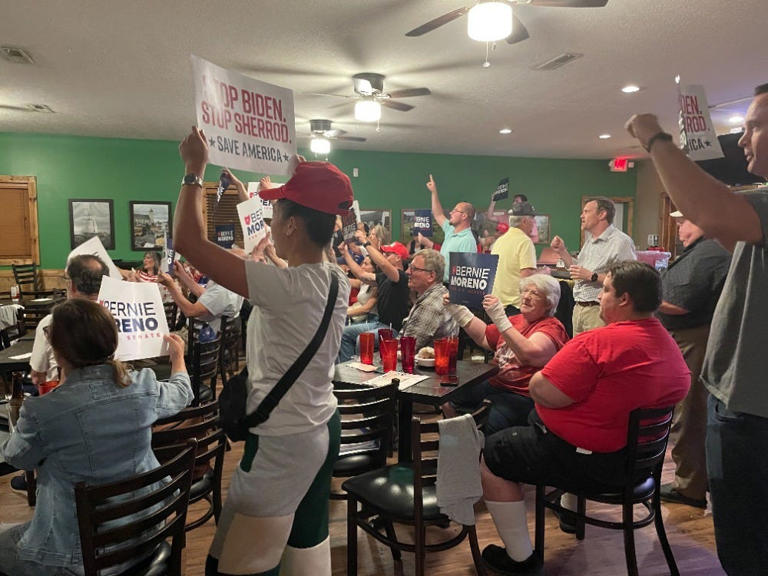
(288, 304)
(42, 359)
(219, 302)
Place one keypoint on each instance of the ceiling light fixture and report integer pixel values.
(489, 21)
(505, 131)
(736, 130)
(604, 136)
(630, 89)
(736, 119)
(320, 145)
(367, 111)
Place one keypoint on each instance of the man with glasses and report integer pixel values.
(457, 227)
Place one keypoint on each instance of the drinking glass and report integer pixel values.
(388, 352)
(442, 355)
(386, 334)
(367, 341)
(453, 353)
(408, 351)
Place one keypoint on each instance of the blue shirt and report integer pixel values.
(463, 241)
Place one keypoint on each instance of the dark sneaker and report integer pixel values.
(669, 493)
(567, 522)
(19, 484)
(497, 559)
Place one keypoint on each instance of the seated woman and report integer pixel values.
(149, 270)
(522, 344)
(364, 310)
(95, 427)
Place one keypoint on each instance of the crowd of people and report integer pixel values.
(560, 402)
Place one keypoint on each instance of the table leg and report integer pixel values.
(405, 408)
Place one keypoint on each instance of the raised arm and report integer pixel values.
(558, 245)
(189, 309)
(437, 208)
(471, 324)
(705, 201)
(379, 259)
(534, 351)
(187, 281)
(354, 267)
(242, 192)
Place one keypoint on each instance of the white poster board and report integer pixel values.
(697, 134)
(94, 247)
(249, 124)
(140, 317)
(266, 205)
(252, 222)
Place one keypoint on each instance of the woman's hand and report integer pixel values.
(164, 279)
(496, 313)
(194, 151)
(176, 352)
(461, 314)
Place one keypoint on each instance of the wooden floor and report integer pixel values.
(689, 529)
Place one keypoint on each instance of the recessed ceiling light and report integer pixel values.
(736, 130)
(505, 131)
(604, 136)
(630, 89)
(736, 119)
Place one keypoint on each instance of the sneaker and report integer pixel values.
(567, 522)
(19, 484)
(496, 558)
(669, 493)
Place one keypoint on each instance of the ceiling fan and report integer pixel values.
(321, 128)
(499, 21)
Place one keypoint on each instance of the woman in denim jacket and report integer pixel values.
(96, 427)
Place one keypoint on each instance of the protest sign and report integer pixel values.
(697, 134)
(138, 312)
(252, 223)
(502, 190)
(266, 205)
(225, 235)
(94, 247)
(249, 124)
(168, 257)
(471, 278)
(349, 222)
(422, 222)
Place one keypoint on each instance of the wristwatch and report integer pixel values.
(594, 277)
(192, 180)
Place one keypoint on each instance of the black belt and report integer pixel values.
(590, 303)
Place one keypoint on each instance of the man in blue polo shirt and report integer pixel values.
(458, 234)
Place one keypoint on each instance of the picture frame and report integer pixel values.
(407, 217)
(378, 216)
(150, 224)
(89, 217)
(542, 226)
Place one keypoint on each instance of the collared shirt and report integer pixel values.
(599, 254)
(429, 319)
(694, 281)
(463, 241)
(219, 302)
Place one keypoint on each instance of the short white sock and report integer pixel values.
(569, 501)
(512, 526)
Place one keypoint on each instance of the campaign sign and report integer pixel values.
(249, 124)
(349, 222)
(502, 190)
(472, 277)
(94, 247)
(697, 134)
(252, 223)
(266, 205)
(225, 235)
(422, 222)
(138, 312)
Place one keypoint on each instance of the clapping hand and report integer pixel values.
(496, 313)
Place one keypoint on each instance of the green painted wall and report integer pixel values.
(124, 170)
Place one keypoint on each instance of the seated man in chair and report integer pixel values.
(583, 398)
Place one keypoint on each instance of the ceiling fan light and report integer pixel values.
(367, 111)
(320, 145)
(489, 21)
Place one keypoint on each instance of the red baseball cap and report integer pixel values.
(502, 227)
(396, 248)
(317, 185)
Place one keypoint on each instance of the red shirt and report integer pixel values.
(512, 376)
(609, 372)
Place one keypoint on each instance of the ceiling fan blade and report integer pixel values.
(409, 92)
(519, 31)
(437, 22)
(351, 138)
(334, 133)
(325, 94)
(569, 3)
(395, 105)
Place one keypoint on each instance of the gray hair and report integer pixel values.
(433, 261)
(516, 221)
(547, 285)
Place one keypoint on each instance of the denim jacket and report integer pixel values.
(88, 429)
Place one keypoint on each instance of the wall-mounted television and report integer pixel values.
(732, 169)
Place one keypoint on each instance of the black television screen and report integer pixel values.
(732, 169)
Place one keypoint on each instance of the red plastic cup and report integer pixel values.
(46, 387)
(408, 351)
(388, 352)
(367, 341)
(453, 354)
(442, 355)
(386, 334)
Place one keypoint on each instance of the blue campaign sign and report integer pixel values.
(422, 222)
(471, 278)
(225, 235)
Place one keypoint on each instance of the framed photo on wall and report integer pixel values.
(150, 223)
(375, 217)
(542, 225)
(89, 217)
(407, 216)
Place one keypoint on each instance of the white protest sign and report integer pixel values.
(349, 222)
(249, 124)
(266, 205)
(140, 317)
(697, 134)
(252, 222)
(94, 247)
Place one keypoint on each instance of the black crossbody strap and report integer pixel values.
(291, 375)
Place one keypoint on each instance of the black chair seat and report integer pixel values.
(201, 487)
(206, 394)
(353, 464)
(641, 491)
(157, 564)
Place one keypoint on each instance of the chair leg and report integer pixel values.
(389, 528)
(581, 509)
(31, 480)
(474, 545)
(662, 533)
(539, 547)
(351, 536)
(627, 518)
(420, 535)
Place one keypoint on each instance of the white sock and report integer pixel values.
(512, 526)
(569, 501)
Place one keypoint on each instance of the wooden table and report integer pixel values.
(21, 346)
(435, 390)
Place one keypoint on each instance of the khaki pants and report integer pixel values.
(586, 318)
(689, 427)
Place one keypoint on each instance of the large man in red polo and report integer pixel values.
(583, 399)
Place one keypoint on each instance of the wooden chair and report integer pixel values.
(647, 437)
(229, 357)
(201, 423)
(203, 363)
(367, 430)
(405, 494)
(26, 277)
(132, 518)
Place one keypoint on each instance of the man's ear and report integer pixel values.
(625, 299)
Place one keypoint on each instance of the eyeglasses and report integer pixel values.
(412, 267)
(457, 210)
